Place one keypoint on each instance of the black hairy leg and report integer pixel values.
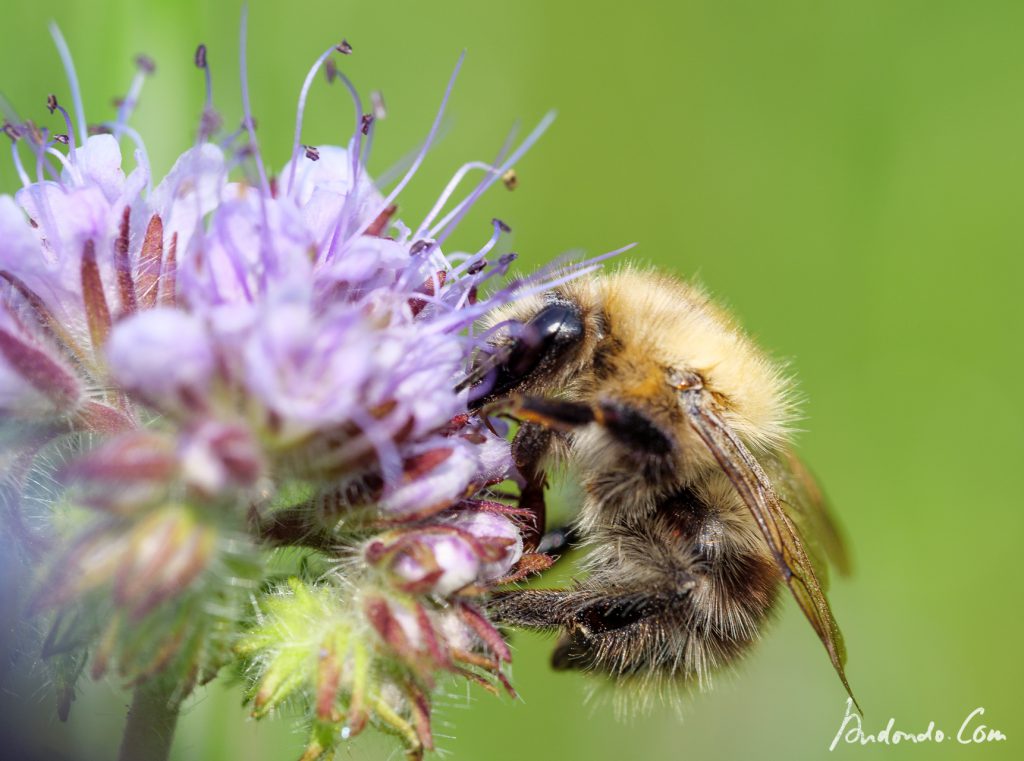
(611, 630)
(529, 448)
(624, 422)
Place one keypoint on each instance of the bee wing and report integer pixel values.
(806, 504)
(784, 541)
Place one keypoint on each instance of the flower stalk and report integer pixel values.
(150, 724)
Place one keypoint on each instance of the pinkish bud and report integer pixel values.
(217, 456)
(128, 471)
(32, 383)
(432, 560)
(497, 534)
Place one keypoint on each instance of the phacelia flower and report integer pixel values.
(234, 415)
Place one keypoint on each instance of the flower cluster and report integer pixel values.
(234, 415)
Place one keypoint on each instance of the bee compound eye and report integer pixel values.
(554, 329)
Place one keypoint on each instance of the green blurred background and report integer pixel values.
(847, 176)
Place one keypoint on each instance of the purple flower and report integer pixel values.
(232, 361)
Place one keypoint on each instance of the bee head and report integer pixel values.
(546, 335)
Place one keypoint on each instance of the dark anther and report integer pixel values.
(330, 70)
(312, 153)
(145, 63)
(51, 102)
(510, 179)
(420, 246)
(11, 131)
(501, 225)
(117, 102)
(366, 120)
(344, 47)
(61, 138)
(99, 129)
(379, 109)
(507, 259)
(201, 56)
(476, 267)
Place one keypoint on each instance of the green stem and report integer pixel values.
(149, 730)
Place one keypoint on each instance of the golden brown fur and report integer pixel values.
(679, 577)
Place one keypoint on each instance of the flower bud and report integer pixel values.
(217, 456)
(431, 560)
(500, 538)
(163, 355)
(130, 471)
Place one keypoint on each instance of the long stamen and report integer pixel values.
(39, 148)
(419, 156)
(299, 111)
(209, 122)
(18, 166)
(144, 67)
(506, 146)
(250, 125)
(447, 225)
(449, 189)
(355, 146)
(266, 239)
(204, 64)
(70, 168)
(53, 105)
(38, 139)
(499, 228)
(551, 276)
(378, 112)
(69, 70)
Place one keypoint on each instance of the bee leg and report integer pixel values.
(605, 627)
(594, 624)
(531, 608)
(623, 421)
(529, 447)
(554, 414)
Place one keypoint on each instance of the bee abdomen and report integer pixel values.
(670, 596)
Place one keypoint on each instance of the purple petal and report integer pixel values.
(99, 163)
(487, 526)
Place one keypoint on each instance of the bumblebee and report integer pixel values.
(695, 512)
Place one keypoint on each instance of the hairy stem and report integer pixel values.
(152, 717)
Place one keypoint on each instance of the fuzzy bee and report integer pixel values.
(694, 511)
